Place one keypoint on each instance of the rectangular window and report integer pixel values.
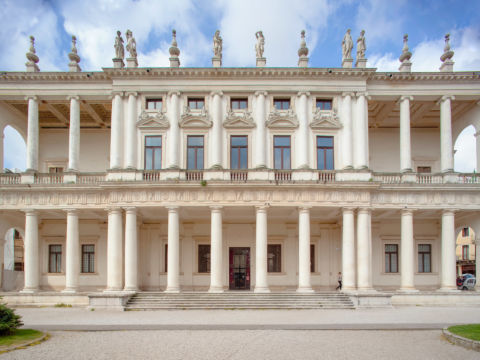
(238, 152)
(465, 232)
(312, 258)
(203, 258)
(325, 153)
(154, 104)
(274, 258)
(281, 104)
(196, 103)
(88, 258)
(166, 258)
(55, 169)
(54, 258)
(239, 104)
(391, 258)
(424, 258)
(153, 152)
(281, 149)
(324, 104)
(195, 152)
(424, 169)
(465, 254)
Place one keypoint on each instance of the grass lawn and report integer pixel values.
(471, 331)
(19, 336)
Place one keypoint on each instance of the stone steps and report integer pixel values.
(238, 300)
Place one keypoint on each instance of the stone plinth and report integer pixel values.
(361, 63)
(405, 66)
(118, 63)
(447, 66)
(132, 62)
(216, 62)
(32, 67)
(303, 61)
(347, 63)
(74, 67)
(261, 62)
(174, 62)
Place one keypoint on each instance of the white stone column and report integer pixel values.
(116, 144)
(261, 283)
(477, 262)
(131, 249)
(217, 127)
(72, 268)
(348, 250)
(173, 140)
(32, 134)
(131, 133)
(303, 145)
(2, 140)
(114, 250)
(74, 134)
(361, 133)
(304, 285)
(407, 252)
(405, 142)
(173, 270)
(449, 260)
(32, 270)
(446, 147)
(260, 154)
(347, 139)
(216, 248)
(477, 143)
(364, 267)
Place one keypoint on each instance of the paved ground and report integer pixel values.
(247, 344)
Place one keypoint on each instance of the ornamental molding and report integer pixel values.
(282, 119)
(325, 119)
(194, 119)
(153, 120)
(239, 120)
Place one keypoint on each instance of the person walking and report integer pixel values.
(339, 281)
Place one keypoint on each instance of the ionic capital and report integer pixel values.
(116, 93)
(449, 212)
(348, 93)
(262, 208)
(348, 209)
(306, 93)
(31, 97)
(304, 209)
(445, 98)
(364, 94)
(30, 212)
(364, 210)
(131, 93)
(172, 208)
(216, 208)
(408, 211)
(71, 211)
(113, 209)
(130, 210)
(174, 92)
(216, 92)
(404, 98)
(73, 97)
(261, 92)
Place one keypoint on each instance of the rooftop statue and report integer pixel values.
(32, 57)
(174, 51)
(406, 54)
(217, 45)
(119, 51)
(447, 53)
(73, 56)
(131, 44)
(347, 46)
(260, 45)
(361, 46)
(303, 51)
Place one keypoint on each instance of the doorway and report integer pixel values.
(239, 269)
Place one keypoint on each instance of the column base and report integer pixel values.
(28, 291)
(366, 291)
(305, 290)
(349, 290)
(112, 290)
(130, 289)
(260, 290)
(69, 291)
(215, 289)
(449, 290)
(407, 290)
(172, 290)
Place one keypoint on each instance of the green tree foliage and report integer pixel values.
(9, 321)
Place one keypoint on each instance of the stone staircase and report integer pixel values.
(238, 300)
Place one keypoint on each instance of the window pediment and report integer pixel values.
(239, 120)
(195, 119)
(325, 119)
(283, 119)
(153, 120)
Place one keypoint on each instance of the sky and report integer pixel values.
(95, 22)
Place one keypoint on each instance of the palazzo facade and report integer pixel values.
(261, 179)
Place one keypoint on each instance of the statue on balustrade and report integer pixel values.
(131, 44)
(119, 50)
(260, 45)
(217, 45)
(347, 46)
(361, 47)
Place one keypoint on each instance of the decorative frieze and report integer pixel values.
(156, 120)
(325, 119)
(239, 120)
(282, 119)
(195, 119)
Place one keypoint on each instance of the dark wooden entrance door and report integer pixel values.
(239, 275)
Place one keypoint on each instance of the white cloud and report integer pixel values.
(465, 159)
(15, 150)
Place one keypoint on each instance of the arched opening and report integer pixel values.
(465, 251)
(14, 150)
(465, 158)
(13, 260)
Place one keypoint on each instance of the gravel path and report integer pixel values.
(271, 344)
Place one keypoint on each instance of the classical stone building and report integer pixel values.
(262, 179)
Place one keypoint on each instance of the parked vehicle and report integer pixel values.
(468, 284)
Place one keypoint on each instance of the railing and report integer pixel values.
(388, 178)
(326, 176)
(238, 175)
(10, 179)
(194, 175)
(469, 178)
(55, 178)
(90, 178)
(283, 175)
(429, 179)
(151, 176)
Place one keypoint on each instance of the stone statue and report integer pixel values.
(347, 46)
(361, 47)
(303, 51)
(131, 44)
(32, 57)
(174, 51)
(217, 45)
(119, 51)
(406, 54)
(73, 56)
(260, 45)
(447, 53)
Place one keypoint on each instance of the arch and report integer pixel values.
(11, 280)
(464, 146)
(470, 118)
(14, 149)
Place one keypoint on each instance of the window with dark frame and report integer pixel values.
(196, 103)
(239, 103)
(238, 152)
(391, 258)
(154, 104)
(88, 258)
(281, 104)
(281, 149)
(324, 104)
(424, 169)
(424, 258)
(153, 152)
(195, 152)
(465, 232)
(54, 258)
(312, 258)
(203, 258)
(274, 258)
(325, 153)
(166, 258)
(465, 249)
(55, 169)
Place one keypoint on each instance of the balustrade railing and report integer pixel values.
(429, 179)
(469, 178)
(238, 175)
(90, 178)
(10, 179)
(387, 178)
(194, 175)
(151, 176)
(283, 175)
(55, 178)
(326, 176)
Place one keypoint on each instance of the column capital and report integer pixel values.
(348, 209)
(216, 92)
(113, 209)
(303, 209)
(32, 97)
(408, 211)
(364, 210)
(449, 212)
(131, 93)
(30, 212)
(348, 93)
(174, 92)
(216, 208)
(116, 93)
(71, 211)
(261, 92)
(405, 97)
(130, 209)
(262, 208)
(444, 98)
(172, 208)
(306, 93)
(73, 97)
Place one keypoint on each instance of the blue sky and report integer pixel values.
(94, 23)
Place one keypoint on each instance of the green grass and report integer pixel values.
(62, 305)
(20, 336)
(471, 331)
